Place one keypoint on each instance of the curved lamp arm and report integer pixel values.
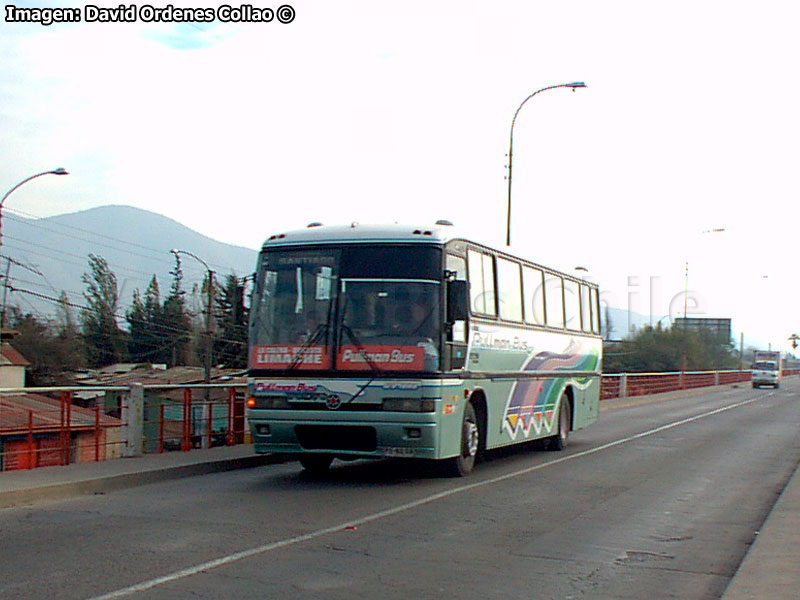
(574, 85)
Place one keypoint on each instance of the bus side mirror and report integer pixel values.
(457, 300)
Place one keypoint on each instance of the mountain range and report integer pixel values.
(51, 254)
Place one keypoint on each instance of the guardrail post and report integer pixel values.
(186, 439)
(31, 454)
(623, 385)
(66, 427)
(230, 438)
(716, 377)
(133, 421)
(161, 427)
(208, 413)
(96, 434)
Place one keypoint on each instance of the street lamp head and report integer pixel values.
(575, 84)
(60, 171)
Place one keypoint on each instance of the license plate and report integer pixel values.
(402, 452)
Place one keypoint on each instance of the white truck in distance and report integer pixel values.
(767, 369)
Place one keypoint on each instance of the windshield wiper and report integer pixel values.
(312, 339)
(362, 352)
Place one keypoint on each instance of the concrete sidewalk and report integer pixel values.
(54, 483)
(771, 568)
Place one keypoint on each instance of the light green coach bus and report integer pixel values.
(402, 341)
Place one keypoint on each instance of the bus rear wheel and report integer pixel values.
(559, 441)
(461, 465)
(316, 464)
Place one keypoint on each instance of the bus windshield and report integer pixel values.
(352, 308)
(389, 324)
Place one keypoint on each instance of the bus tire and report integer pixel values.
(316, 464)
(559, 441)
(461, 465)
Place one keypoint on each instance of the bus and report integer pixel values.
(370, 341)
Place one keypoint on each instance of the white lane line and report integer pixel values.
(226, 560)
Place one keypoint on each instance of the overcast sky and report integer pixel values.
(381, 112)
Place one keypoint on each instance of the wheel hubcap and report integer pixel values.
(472, 438)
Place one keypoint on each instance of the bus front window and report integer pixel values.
(390, 325)
(292, 309)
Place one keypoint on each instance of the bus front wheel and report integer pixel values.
(461, 465)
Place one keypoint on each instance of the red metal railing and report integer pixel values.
(37, 430)
(642, 384)
(53, 426)
(193, 417)
(50, 426)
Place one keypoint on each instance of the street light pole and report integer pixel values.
(59, 171)
(207, 412)
(209, 300)
(685, 301)
(574, 85)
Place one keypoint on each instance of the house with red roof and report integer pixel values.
(38, 430)
(12, 367)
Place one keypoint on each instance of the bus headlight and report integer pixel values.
(409, 404)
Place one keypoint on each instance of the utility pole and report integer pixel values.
(207, 411)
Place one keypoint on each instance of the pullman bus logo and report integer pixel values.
(333, 402)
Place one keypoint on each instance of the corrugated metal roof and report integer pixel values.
(150, 376)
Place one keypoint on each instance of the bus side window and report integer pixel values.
(456, 337)
(595, 311)
(572, 304)
(481, 282)
(457, 265)
(533, 286)
(554, 301)
(586, 310)
(509, 289)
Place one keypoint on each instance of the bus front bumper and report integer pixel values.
(359, 439)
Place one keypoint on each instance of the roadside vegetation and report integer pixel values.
(169, 331)
(654, 350)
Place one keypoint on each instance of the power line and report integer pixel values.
(157, 326)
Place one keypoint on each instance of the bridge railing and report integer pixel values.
(62, 425)
(623, 385)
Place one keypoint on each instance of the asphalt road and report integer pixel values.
(656, 500)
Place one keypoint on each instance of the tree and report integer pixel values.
(230, 347)
(68, 335)
(102, 337)
(174, 320)
(663, 350)
(149, 341)
(50, 352)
